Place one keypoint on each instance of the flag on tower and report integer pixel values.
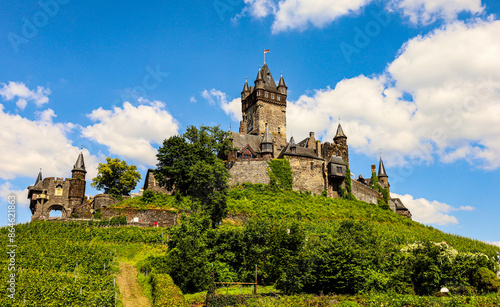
(266, 51)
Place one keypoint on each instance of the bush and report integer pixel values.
(165, 292)
(486, 281)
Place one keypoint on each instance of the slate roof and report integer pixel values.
(381, 169)
(399, 204)
(240, 141)
(265, 75)
(340, 132)
(282, 81)
(80, 164)
(299, 152)
(337, 160)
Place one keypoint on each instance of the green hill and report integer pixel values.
(303, 246)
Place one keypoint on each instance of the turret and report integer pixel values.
(259, 81)
(340, 141)
(293, 146)
(267, 141)
(246, 90)
(383, 179)
(79, 168)
(282, 88)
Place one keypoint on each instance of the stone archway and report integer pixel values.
(52, 212)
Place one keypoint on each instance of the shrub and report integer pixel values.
(486, 281)
(165, 292)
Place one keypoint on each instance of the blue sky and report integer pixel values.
(417, 81)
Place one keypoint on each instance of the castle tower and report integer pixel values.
(383, 179)
(265, 105)
(77, 183)
(340, 141)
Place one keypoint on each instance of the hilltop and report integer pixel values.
(302, 243)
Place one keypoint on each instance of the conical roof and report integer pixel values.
(268, 138)
(381, 169)
(245, 87)
(269, 83)
(80, 164)
(282, 81)
(39, 178)
(340, 133)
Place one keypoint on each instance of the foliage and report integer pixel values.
(165, 292)
(347, 194)
(384, 201)
(116, 177)
(189, 164)
(280, 174)
(485, 280)
(187, 259)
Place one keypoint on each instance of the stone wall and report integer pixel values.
(364, 192)
(164, 218)
(248, 171)
(305, 178)
(103, 201)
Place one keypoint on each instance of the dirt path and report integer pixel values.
(130, 289)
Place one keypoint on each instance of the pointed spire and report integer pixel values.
(245, 87)
(80, 164)
(381, 169)
(259, 82)
(282, 81)
(340, 133)
(268, 138)
(39, 178)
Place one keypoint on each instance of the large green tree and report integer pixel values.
(116, 177)
(191, 164)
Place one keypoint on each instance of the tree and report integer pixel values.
(116, 177)
(190, 164)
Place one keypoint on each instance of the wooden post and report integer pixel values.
(255, 285)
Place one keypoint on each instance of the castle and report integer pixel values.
(316, 167)
(262, 136)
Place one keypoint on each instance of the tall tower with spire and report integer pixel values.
(77, 184)
(383, 179)
(340, 141)
(265, 105)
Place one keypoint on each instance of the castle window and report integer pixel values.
(258, 93)
(59, 190)
(312, 166)
(272, 96)
(339, 170)
(279, 97)
(294, 149)
(279, 128)
(267, 95)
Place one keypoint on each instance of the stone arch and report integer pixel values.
(56, 207)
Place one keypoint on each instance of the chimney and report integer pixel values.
(318, 148)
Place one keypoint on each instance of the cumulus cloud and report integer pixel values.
(130, 131)
(20, 92)
(497, 243)
(217, 97)
(299, 14)
(428, 11)
(28, 145)
(21, 196)
(439, 98)
(430, 212)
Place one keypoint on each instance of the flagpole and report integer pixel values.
(264, 57)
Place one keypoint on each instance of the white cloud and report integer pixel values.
(453, 78)
(497, 243)
(430, 212)
(26, 146)
(427, 11)
(19, 91)
(231, 108)
(299, 14)
(131, 131)
(21, 196)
